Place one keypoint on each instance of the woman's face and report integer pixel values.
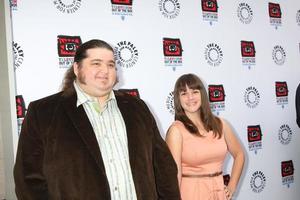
(190, 100)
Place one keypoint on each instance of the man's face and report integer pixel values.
(96, 74)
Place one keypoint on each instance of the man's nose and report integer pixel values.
(104, 69)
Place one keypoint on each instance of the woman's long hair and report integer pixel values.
(81, 53)
(210, 121)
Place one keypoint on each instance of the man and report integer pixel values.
(298, 105)
(89, 142)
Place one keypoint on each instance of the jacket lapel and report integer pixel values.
(84, 128)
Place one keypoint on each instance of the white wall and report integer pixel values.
(8, 122)
(37, 24)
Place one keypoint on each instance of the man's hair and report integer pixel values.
(81, 53)
(210, 122)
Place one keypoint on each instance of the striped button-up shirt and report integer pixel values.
(110, 130)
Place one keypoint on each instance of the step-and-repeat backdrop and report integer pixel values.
(246, 52)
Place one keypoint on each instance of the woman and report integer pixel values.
(199, 141)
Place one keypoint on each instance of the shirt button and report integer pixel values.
(116, 188)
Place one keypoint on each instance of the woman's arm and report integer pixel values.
(235, 149)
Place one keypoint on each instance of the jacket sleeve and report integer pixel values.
(165, 168)
(30, 183)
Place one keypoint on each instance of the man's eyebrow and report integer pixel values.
(95, 60)
(100, 60)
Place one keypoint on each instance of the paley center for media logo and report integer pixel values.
(122, 8)
(278, 55)
(67, 46)
(287, 172)
(132, 92)
(285, 134)
(170, 103)
(170, 9)
(281, 90)
(258, 181)
(275, 14)
(210, 10)
(216, 96)
(254, 138)
(248, 53)
(244, 13)
(172, 49)
(67, 6)
(18, 55)
(21, 111)
(127, 54)
(251, 97)
(213, 54)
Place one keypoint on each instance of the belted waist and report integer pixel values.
(201, 175)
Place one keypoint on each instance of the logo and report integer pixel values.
(213, 54)
(298, 17)
(287, 172)
(173, 52)
(14, 4)
(258, 181)
(126, 54)
(278, 55)
(21, 111)
(275, 14)
(132, 92)
(251, 97)
(282, 91)
(67, 46)
(285, 134)
(248, 53)
(170, 103)
(254, 138)
(169, 8)
(216, 98)
(67, 6)
(122, 8)
(244, 13)
(18, 55)
(210, 10)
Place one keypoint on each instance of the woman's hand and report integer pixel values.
(228, 193)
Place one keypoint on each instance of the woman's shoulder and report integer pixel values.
(177, 124)
(177, 127)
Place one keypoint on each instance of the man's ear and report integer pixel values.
(75, 68)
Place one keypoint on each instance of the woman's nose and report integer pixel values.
(190, 95)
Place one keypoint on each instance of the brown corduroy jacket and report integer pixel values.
(58, 156)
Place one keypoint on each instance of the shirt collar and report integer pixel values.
(83, 97)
